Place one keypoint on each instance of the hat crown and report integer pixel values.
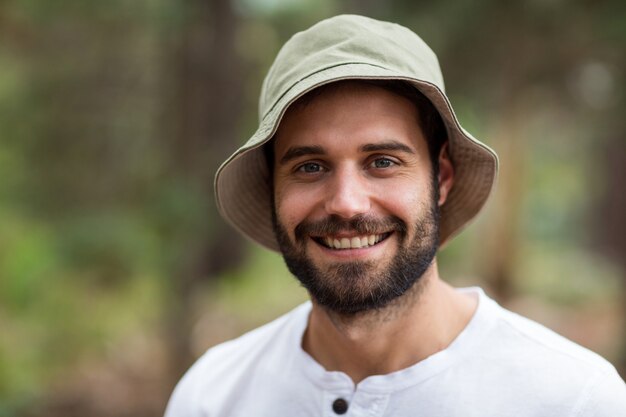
(343, 40)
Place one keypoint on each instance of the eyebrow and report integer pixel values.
(387, 146)
(298, 151)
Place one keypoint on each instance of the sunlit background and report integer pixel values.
(116, 271)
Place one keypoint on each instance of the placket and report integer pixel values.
(359, 403)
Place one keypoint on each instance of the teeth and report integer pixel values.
(356, 242)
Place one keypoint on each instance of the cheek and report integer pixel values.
(293, 205)
(403, 199)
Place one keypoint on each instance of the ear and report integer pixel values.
(446, 174)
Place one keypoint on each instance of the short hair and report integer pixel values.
(429, 119)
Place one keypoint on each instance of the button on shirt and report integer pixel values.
(340, 406)
(500, 365)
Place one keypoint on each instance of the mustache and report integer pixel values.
(361, 224)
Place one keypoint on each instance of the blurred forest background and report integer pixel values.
(115, 269)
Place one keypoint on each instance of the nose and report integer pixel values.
(348, 194)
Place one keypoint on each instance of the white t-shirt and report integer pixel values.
(500, 365)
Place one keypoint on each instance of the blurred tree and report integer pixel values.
(201, 113)
(610, 221)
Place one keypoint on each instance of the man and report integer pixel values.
(358, 173)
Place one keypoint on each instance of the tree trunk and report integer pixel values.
(611, 222)
(201, 120)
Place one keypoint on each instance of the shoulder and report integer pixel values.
(605, 396)
(554, 367)
(222, 370)
(545, 343)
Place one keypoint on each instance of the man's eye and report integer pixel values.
(310, 167)
(382, 163)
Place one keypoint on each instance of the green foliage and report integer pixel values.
(263, 284)
(567, 275)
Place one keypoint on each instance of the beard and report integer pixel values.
(352, 287)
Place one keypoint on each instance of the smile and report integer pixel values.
(355, 242)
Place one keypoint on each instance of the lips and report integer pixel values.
(354, 242)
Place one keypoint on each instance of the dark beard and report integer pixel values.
(349, 288)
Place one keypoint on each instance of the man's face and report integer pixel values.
(356, 212)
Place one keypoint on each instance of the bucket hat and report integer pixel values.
(341, 48)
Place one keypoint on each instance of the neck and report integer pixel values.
(422, 322)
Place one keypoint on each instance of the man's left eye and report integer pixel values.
(382, 163)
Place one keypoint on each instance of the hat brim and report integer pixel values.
(243, 183)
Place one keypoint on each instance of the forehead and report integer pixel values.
(347, 115)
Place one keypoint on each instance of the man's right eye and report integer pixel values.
(309, 167)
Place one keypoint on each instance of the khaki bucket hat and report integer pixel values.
(340, 48)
